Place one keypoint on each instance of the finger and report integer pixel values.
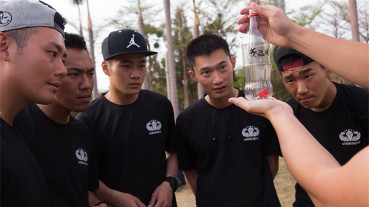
(153, 199)
(140, 204)
(243, 20)
(245, 11)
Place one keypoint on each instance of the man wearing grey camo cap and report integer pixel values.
(31, 65)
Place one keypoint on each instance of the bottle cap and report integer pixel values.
(252, 14)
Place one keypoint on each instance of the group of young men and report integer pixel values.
(125, 148)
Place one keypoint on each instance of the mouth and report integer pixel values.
(219, 89)
(54, 85)
(84, 98)
(305, 99)
(135, 85)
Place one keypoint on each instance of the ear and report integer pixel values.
(233, 61)
(191, 73)
(105, 67)
(4, 46)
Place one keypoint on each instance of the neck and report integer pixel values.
(120, 98)
(328, 99)
(56, 113)
(11, 102)
(221, 103)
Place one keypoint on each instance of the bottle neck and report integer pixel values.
(253, 24)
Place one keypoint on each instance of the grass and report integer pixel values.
(285, 185)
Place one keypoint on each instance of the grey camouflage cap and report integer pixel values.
(18, 14)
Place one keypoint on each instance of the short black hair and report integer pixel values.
(205, 45)
(75, 41)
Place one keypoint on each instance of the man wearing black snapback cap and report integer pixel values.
(335, 114)
(133, 128)
(32, 51)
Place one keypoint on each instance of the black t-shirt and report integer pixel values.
(22, 181)
(64, 153)
(342, 128)
(131, 141)
(227, 147)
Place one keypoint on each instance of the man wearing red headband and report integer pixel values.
(335, 114)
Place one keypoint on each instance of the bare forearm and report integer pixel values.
(273, 164)
(346, 58)
(297, 144)
(172, 165)
(191, 179)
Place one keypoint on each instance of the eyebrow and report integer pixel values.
(207, 67)
(304, 71)
(81, 70)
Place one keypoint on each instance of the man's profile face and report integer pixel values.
(39, 67)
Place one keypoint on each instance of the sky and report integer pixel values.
(101, 10)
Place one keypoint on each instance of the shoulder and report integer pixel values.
(195, 108)
(152, 96)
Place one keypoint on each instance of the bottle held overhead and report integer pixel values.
(256, 62)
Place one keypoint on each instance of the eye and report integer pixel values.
(223, 67)
(308, 76)
(91, 74)
(53, 53)
(289, 81)
(73, 74)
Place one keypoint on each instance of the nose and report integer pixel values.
(60, 70)
(136, 73)
(86, 82)
(218, 78)
(302, 88)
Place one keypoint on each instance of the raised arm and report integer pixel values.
(326, 182)
(340, 56)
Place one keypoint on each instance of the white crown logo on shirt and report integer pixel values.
(250, 133)
(154, 127)
(350, 135)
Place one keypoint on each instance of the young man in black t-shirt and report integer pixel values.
(31, 53)
(335, 114)
(133, 128)
(228, 156)
(62, 145)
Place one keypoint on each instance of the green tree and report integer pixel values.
(181, 37)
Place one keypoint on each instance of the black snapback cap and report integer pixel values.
(123, 42)
(286, 58)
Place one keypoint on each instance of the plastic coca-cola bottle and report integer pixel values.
(256, 62)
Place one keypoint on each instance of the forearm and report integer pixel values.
(172, 165)
(297, 144)
(191, 179)
(273, 164)
(338, 55)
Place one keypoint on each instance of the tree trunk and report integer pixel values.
(186, 101)
(196, 33)
(141, 30)
(95, 92)
(354, 21)
(171, 66)
(80, 21)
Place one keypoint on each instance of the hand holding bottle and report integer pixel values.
(274, 25)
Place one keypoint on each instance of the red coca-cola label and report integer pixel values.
(263, 93)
